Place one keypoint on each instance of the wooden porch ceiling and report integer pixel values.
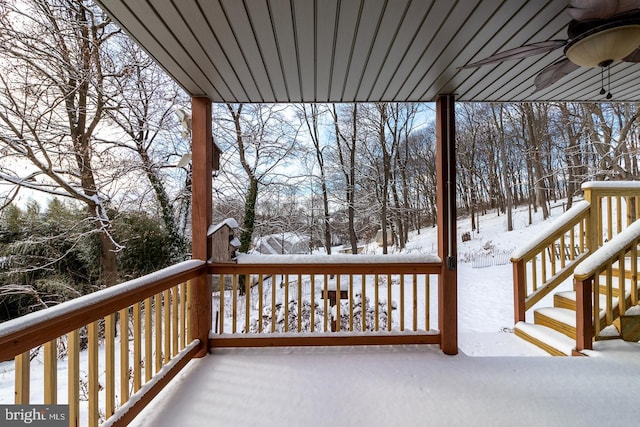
(358, 50)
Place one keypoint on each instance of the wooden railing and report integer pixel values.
(339, 299)
(550, 258)
(136, 336)
(606, 284)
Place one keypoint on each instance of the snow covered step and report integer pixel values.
(551, 341)
(561, 319)
(565, 299)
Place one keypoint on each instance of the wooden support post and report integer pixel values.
(584, 314)
(519, 291)
(201, 193)
(446, 205)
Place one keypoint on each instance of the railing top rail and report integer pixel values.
(630, 186)
(330, 264)
(565, 221)
(608, 251)
(339, 259)
(21, 334)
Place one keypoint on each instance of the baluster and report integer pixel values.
(23, 378)
(389, 307)
(427, 302)
(137, 350)
(94, 415)
(260, 302)
(157, 303)
(148, 339)
(300, 290)
(124, 355)
(376, 302)
(401, 302)
(312, 278)
(414, 303)
(167, 326)
(73, 377)
(364, 307)
(174, 320)
(110, 364)
(234, 312)
(51, 372)
(350, 302)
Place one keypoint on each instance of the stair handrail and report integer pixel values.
(553, 240)
(587, 276)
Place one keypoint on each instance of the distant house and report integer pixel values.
(282, 243)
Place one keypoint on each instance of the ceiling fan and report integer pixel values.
(600, 32)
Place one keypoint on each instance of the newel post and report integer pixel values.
(519, 291)
(447, 236)
(201, 217)
(584, 314)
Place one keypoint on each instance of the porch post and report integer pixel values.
(201, 211)
(446, 205)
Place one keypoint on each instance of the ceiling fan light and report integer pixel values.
(600, 47)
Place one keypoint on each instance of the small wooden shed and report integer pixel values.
(222, 241)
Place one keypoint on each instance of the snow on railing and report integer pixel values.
(108, 344)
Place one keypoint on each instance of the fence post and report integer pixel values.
(584, 314)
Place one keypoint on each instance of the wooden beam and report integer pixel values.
(201, 196)
(323, 340)
(446, 205)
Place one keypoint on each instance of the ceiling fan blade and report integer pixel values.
(553, 73)
(520, 52)
(633, 57)
(583, 10)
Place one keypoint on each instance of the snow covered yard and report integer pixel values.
(397, 386)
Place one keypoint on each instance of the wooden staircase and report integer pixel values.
(554, 328)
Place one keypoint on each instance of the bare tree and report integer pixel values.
(147, 101)
(262, 140)
(310, 114)
(54, 91)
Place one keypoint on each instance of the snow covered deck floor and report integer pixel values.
(397, 386)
